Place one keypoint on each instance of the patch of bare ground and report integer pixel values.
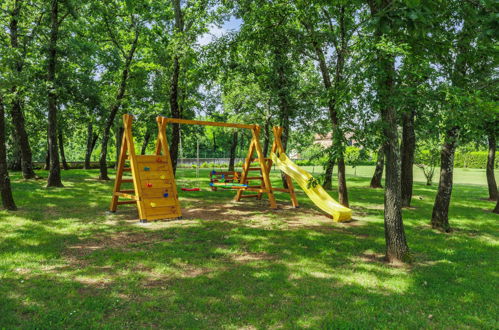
(374, 257)
(246, 257)
(124, 241)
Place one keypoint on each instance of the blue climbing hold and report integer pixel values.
(146, 168)
(165, 195)
(213, 172)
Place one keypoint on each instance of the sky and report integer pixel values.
(215, 32)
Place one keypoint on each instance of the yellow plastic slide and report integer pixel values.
(317, 194)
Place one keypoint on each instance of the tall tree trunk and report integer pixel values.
(16, 106)
(333, 102)
(46, 167)
(407, 149)
(491, 180)
(14, 164)
(440, 215)
(65, 165)
(266, 136)
(378, 171)
(115, 107)
(396, 244)
(175, 113)
(54, 178)
(281, 85)
(91, 141)
(328, 175)
(118, 137)
(5, 188)
(145, 143)
(174, 88)
(232, 155)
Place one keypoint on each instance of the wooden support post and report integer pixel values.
(263, 165)
(278, 147)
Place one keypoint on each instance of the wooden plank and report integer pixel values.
(127, 181)
(152, 159)
(125, 195)
(119, 174)
(159, 202)
(162, 212)
(126, 202)
(158, 192)
(155, 175)
(206, 123)
(153, 183)
(250, 196)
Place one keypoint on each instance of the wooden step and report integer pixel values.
(254, 178)
(125, 195)
(126, 202)
(249, 196)
(127, 191)
(128, 169)
(254, 169)
(126, 180)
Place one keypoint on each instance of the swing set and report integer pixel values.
(154, 187)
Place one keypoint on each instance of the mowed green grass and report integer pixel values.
(64, 262)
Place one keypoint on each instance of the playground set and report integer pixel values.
(154, 187)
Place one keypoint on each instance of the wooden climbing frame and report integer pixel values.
(154, 188)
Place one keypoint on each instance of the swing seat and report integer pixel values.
(190, 189)
(217, 179)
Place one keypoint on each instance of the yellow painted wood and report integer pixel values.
(152, 177)
(206, 123)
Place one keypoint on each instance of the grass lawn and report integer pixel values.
(64, 262)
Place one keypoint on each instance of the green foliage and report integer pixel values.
(474, 159)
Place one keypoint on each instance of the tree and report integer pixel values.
(5, 189)
(467, 68)
(54, 178)
(491, 181)
(396, 244)
(378, 170)
(126, 49)
(20, 49)
(336, 87)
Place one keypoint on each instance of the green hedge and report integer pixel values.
(475, 159)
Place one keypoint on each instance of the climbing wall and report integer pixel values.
(154, 189)
(155, 186)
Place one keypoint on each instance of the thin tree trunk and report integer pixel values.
(174, 89)
(114, 109)
(333, 101)
(16, 106)
(65, 165)
(119, 136)
(266, 136)
(5, 188)
(14, 164)
(91, 141)
(407, 149)
(378, 171)
(47, 159)
(440, 215)
(147, 137)
(328, 175)
(54, 178)
(396, 244)
(491, 180)
(232, 154)
(175, 113)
